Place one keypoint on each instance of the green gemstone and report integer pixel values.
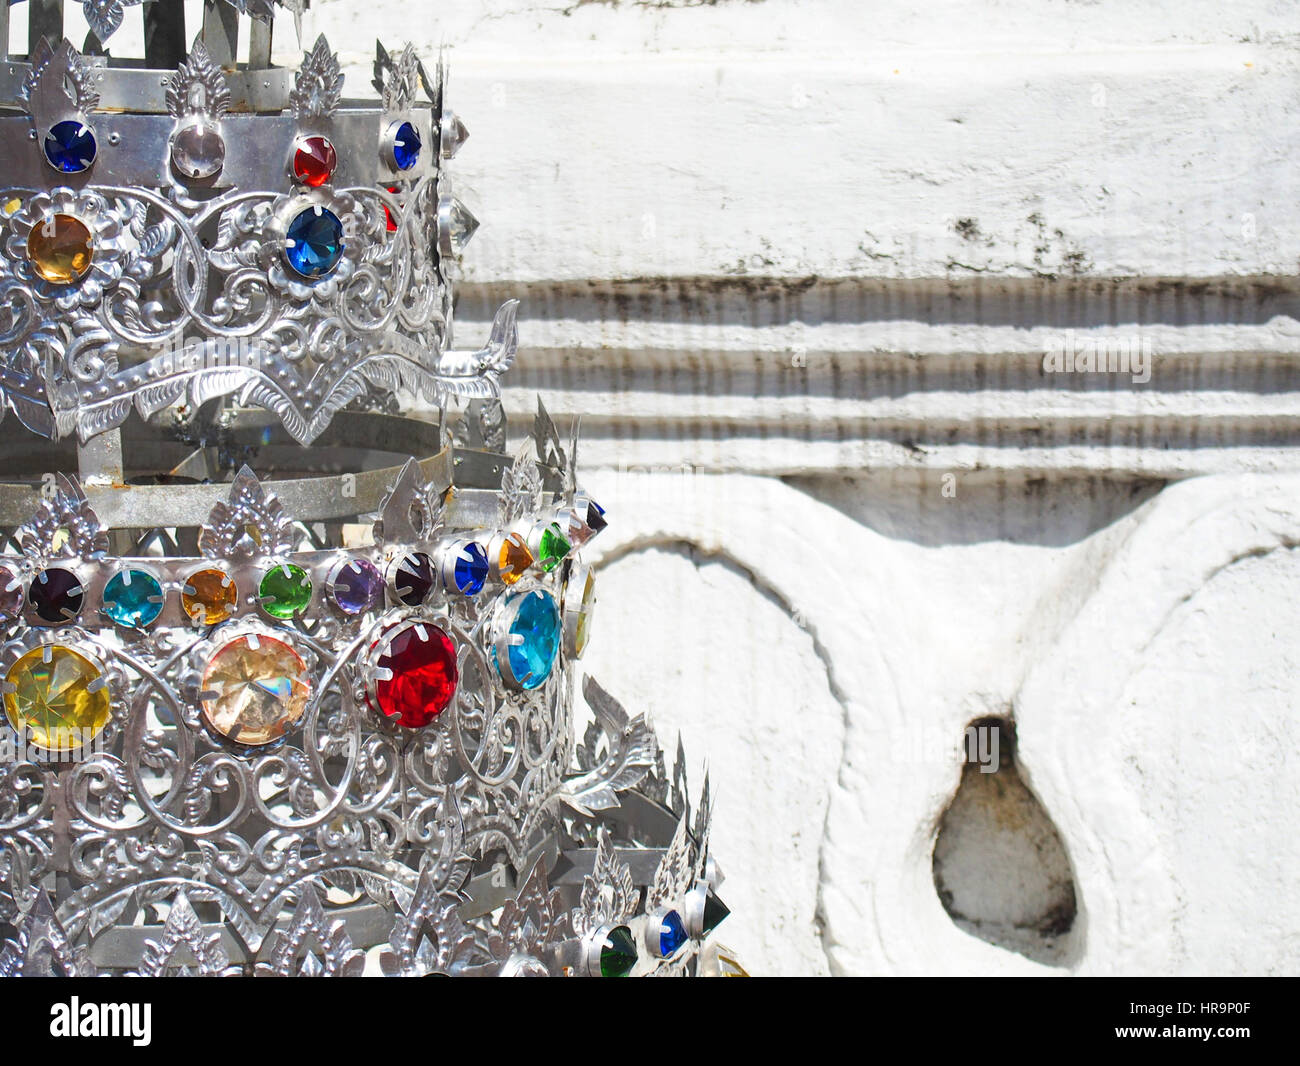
(551, 548)
(285, 591)
(715, 911)
(618, 955)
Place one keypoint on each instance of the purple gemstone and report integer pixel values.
(355, 585)
(410, 579)
(11, 593)
(57, 595)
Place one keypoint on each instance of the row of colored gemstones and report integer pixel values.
(665, 935)
(255, 688)
(198, 150)
(61, 248)
(133, 597)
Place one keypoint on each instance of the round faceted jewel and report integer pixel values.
(532, 637)
(285, 590)
(255, 689)
(551, 548)
(416, 675)
(672, 934)
(618, 953)
(314, 160)
(514, 559)
(406, 146)
(133, 598)
(57, 595)
(57, 696)
(11, 593)
(471, 569)
(313, 243)
(355, 585)
(198, 151)
(70, 146)
(209, 596)
(411, 579)
(60, 249)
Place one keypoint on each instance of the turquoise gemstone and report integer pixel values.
(133, 598)
(534, 636)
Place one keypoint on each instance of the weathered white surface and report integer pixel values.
(797, 264)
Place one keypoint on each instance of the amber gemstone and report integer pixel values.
(57, 695)
(254, 690)
(515, 558)
(209, 596)
(60, 248)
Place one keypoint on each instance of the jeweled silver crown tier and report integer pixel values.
(290, 639)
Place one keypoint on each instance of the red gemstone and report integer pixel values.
(418, 675)
(314, 160)
(389, 220)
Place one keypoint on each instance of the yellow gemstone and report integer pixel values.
(209, 596)
(60, 249)
(515, 558)
(58, 696)
(254, 690)
(582, 631)
(13, 206)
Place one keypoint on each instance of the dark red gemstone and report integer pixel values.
(56, 595)
(389, 220)
(417, 675)
(314, 160)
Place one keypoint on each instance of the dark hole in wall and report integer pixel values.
(1000, 866)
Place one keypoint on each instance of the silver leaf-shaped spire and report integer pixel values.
(535, 918)
(183, 930)
(609, 895)
(521, 487)
(676, 870)
(629, 756)
(409, 513)
(292, 955)
(318, 84)
(64, 525)
(42, 947)
(59, 82)
(198, 87)
(401, 80)
(546, 438)
(251, 522)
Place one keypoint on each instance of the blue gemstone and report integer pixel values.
(535, 625)
(70, 146)
(672, 934)
(406, 146)
(133, 598)
(314, 242)
(471, 569)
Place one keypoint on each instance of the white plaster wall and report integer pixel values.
(796, 263)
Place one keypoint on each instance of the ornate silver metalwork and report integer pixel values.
(252, 803)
